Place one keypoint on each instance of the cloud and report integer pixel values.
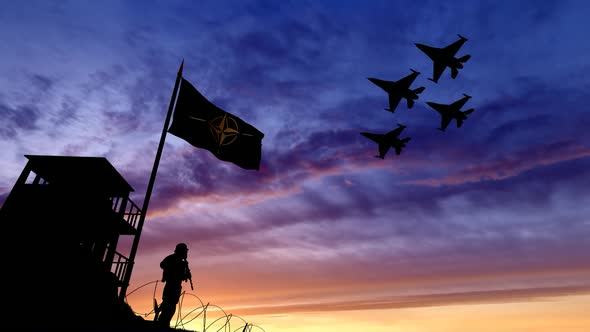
(429, 300)
(23, 115)
(510, 165)
(501, 220)
(507, 189)
(17, 120)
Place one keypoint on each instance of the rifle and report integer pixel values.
(190, 276)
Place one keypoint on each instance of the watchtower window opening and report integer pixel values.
(115, 203)
(34, 178)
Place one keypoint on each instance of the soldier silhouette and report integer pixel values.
(175, 271)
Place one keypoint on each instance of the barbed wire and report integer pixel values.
(182, 320)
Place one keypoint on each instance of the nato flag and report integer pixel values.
(206, 126)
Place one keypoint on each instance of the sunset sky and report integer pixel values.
(480, 228)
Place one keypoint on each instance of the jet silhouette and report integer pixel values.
(399, 89)
(452, 111)
(443, 57)
(388, 140)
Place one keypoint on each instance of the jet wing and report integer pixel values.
(383, 149)
(432, 52)
(407, 81)
(394, 100)
(444, 122)
(375, 137)
(453, 48)
(395, 132)
(459, 103)
(437, 70)
(383, 146)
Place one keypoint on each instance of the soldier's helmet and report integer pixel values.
(181, 247)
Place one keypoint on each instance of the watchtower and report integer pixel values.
(65, 216)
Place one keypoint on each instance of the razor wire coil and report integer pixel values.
(182, 320)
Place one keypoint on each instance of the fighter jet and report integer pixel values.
(445, 57)
(388, 140)
(399, 89)
(452, 111)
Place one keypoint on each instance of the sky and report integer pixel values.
(479, 228)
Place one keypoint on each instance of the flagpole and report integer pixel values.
(150, 187)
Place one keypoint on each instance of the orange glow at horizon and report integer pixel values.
(562, 314)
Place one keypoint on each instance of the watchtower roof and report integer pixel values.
(94, 173)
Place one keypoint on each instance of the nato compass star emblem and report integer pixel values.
(224, 129)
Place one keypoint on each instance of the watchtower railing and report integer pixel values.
(125, 207)
(119, 266)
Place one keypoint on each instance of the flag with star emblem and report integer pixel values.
(206, 126)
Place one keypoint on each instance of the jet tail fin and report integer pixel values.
(418, 90)
(410, 103)
(464, 58)
(454, 72)
(406, 140)
(469, 111)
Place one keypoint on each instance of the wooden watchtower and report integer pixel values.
(64, 218)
